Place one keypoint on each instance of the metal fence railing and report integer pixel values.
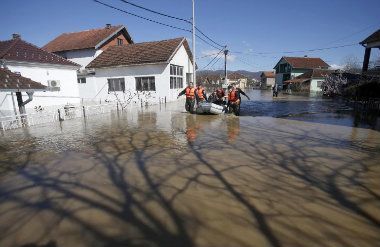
(59, 114)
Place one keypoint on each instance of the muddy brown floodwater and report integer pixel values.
(162, 177)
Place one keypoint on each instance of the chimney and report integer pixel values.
(108, 26)
(16, 36)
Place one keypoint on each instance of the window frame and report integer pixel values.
(121, 84)
(145, 86)
(119, 41)
(80, 80)
(176, 76)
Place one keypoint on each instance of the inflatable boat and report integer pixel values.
(209, 108)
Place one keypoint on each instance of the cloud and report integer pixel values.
(231, 58)
(336, 66)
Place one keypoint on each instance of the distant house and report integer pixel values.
(84, 46)
(267, 79)
(310, 81)
(149, 71)
(289, 67)
(54, 72)
(240, 80)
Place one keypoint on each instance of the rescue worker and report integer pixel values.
(217, 97)
(189, 91)
(233, 100)
(241, 92)
(200, 94)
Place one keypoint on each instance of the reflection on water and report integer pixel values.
(305, 108)
(161, 177)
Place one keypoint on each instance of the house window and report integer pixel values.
(176, 76)
(116, 85)
(119, 41)
(82, 80)
(319, 84)
(145, 84)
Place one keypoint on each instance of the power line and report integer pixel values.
(157, 22)
(214, 58)
(172, 17)
(297, 51)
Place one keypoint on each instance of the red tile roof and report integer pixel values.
(140, 53)
(375, 37)
(10, 81)
(84, 39)
(21, 51)
(268, 74)
(306, 62)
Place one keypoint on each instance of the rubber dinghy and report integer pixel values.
(209, 108)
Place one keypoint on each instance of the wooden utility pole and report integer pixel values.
(194, 63)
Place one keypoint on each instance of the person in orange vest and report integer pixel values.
(233, 100)
(200, 94)
(217, 97)
(189, 91)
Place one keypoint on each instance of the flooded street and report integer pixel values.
(276, 176)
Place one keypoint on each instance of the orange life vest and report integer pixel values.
(233, 96)
(200, 93)
(190, 93)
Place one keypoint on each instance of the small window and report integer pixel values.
(81, 80)
(145, 84)
(119, 41)
(116, 85)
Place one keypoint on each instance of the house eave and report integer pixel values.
(43, 65)
(127, 65)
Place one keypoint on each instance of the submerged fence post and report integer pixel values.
(165, 100)
(84, 111)
(2, 125)
(141, 103)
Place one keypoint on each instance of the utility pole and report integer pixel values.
(225, 64)
(194, 63)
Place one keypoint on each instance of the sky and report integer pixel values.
(257, 33)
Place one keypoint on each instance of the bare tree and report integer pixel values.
(129, 96)
(333, 84)
(351, 64)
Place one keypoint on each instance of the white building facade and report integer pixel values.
(58, 74)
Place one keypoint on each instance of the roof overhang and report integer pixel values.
(127, 65)
(14, 90)
(42, 65)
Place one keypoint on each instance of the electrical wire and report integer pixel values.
(214, 58)
(154, 21)
(297, 51)
(173, 17)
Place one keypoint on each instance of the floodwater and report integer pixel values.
(162, 177)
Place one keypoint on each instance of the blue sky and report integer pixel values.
(247, 27)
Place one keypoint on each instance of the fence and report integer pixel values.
(59, 114)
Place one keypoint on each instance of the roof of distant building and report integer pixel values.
(10, 81)
(19, 50)
(140, 53)
(312, 74)
(87, 39)
(306, 62)
(375, 37)
(268, 74)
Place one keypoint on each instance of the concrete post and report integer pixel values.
(367, 55)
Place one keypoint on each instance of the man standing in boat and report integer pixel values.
(190, 92)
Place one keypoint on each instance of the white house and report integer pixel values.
(55, 72)
(267, 79)
(149, 72)
(310, 81)
(84, 46)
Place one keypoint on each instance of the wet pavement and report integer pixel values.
(162, 177)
